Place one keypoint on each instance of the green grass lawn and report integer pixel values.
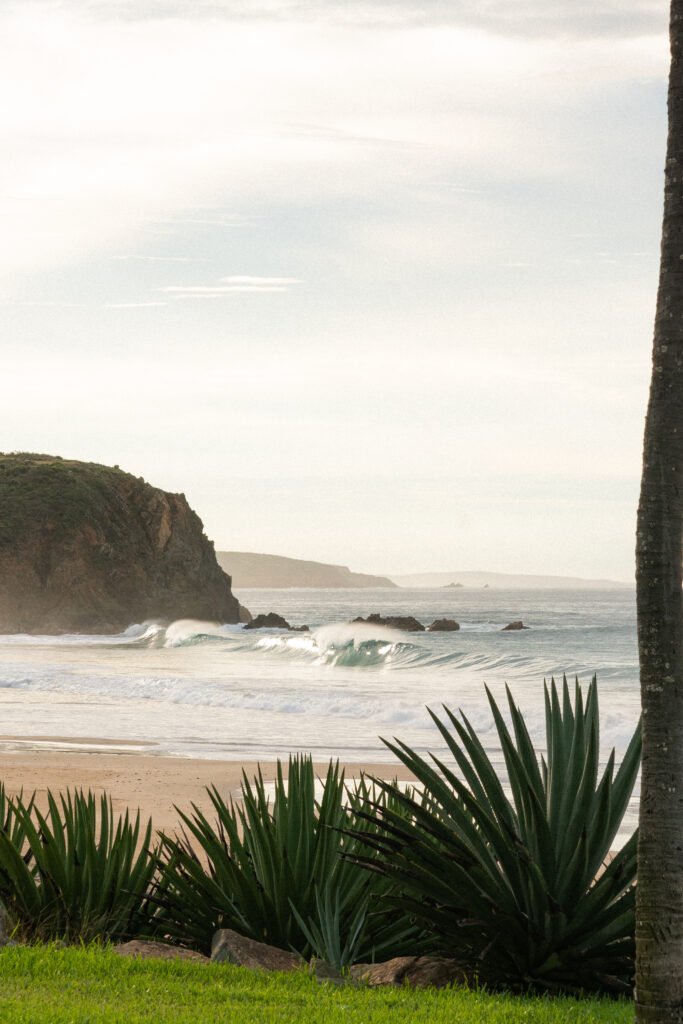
(44, 985)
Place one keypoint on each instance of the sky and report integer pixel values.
(372, 282)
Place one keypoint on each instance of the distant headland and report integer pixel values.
(251, 570)
(504, 581)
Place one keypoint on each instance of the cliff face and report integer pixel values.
(88, 548)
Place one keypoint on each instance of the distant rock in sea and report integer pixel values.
(404, 622)
(249, 569)
(453, 586)
(86, 548)
(504, 581)
(271, 620)
(444, 626)
(514, 625)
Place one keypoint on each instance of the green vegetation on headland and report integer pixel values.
(86, 548)
(46, 491)
(509, 883)
(47, 985)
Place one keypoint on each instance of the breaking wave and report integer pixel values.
(348, 645)
(193, 685)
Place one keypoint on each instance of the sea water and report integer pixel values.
(198, 689)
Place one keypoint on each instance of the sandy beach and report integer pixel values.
(154, 784)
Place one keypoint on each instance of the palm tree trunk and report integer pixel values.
(659, 551)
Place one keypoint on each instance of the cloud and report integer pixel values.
(287, 108)
(521, 18)
(161, 259)
(219, 222)
(58, 305)
(230, 286)
(260, 281)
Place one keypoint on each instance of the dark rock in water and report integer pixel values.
(443, 626)
(515, 625)
(274, 621)
(228, 946)
(404, 622)
(86, 548)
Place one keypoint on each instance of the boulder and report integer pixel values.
(228, 946)
(404, 622)
(416, 971)
(148, 950)
(514, 625)
(86, 548)
(274, 621)
(326, 974)
(5, 939)
(443, 626)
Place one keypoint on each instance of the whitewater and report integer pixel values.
(218, 691)
(207, 690)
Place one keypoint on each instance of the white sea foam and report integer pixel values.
(339, 634)
(183, 630)
(218, 690)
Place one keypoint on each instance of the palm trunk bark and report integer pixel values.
(659, 904)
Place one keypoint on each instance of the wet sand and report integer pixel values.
(152, 783)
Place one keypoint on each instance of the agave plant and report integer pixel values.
(74, 873)
(274, 872)
(510, 876)
(10, 823)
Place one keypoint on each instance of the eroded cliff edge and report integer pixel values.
(91, 549)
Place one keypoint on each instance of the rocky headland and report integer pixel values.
(91, 549)
(249, 569)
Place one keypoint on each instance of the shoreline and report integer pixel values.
(152, 783)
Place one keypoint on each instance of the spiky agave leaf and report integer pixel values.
(502, 872)
(76, 872)
(265, 866)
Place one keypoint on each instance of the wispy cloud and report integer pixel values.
(281, 105)
(59, 305)
(162, 259)
(239, 283)
(579, 18)
(260, 281)
(132, 305)
(218, 222)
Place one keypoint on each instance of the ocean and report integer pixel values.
(194, 689)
